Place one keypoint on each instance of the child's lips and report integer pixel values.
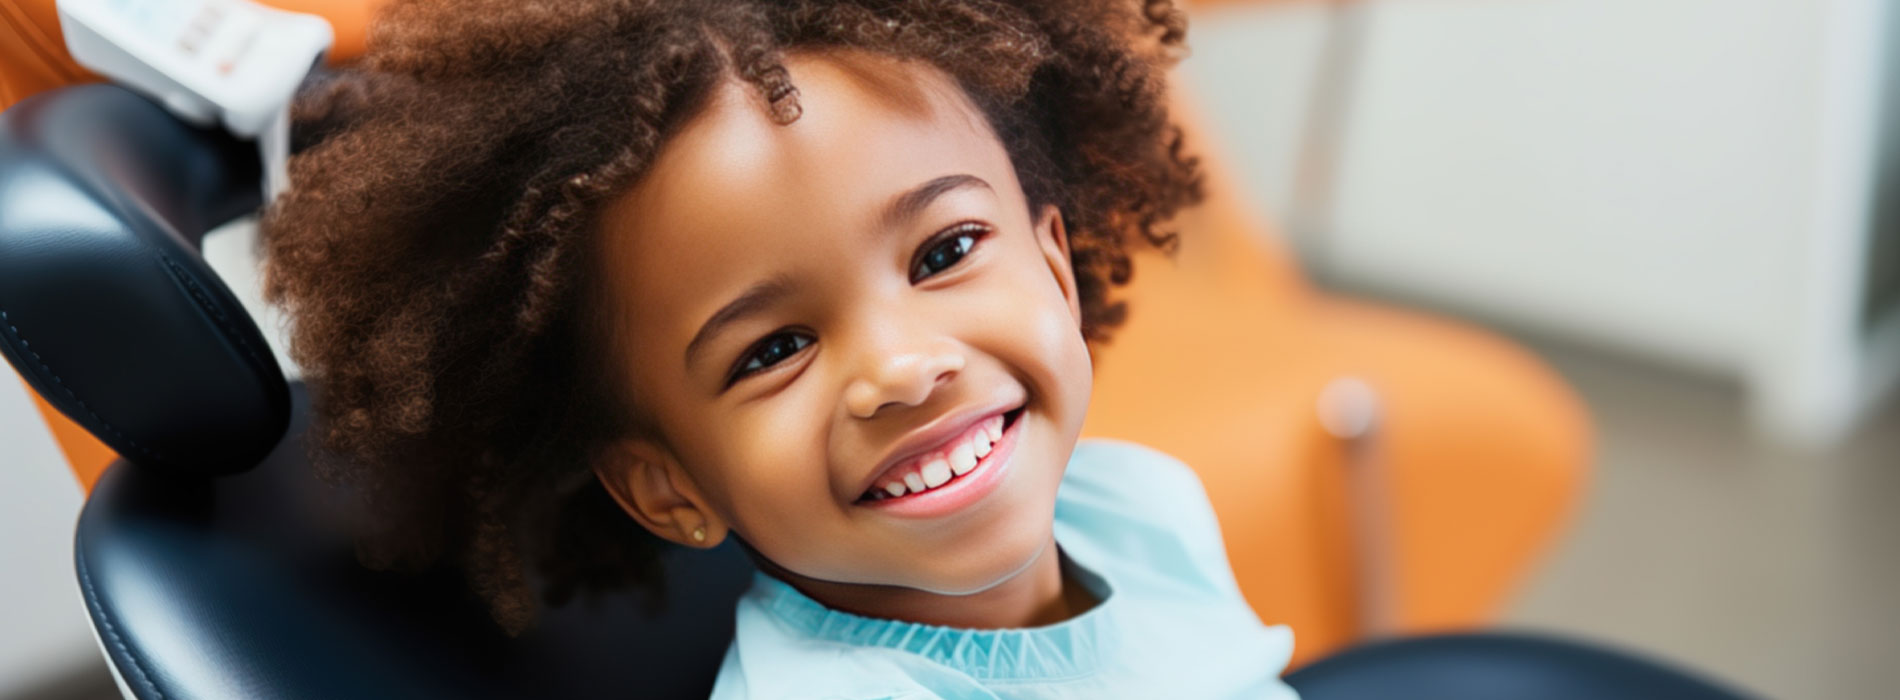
(939, 465)
(959, 490)
(933, 440)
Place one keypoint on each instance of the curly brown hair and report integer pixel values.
(435, 256)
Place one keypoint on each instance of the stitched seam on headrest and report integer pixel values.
(92, 601)
(203, 298)
(48, 371)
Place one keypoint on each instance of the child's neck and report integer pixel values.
(1041, 594)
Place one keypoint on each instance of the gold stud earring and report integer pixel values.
(699, 534)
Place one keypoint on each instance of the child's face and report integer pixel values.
(810, 313)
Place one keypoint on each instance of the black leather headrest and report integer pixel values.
(106, 307)
(248, 587)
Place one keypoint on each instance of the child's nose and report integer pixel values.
(901, 376)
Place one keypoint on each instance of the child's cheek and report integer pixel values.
(774, 462)
(1033, 331)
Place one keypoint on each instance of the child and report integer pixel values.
(571, 279)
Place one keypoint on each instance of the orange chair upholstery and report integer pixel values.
(1221, 364)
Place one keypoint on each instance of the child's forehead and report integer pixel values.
(733, 193)
(861, 114)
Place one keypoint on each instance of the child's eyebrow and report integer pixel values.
(903, 208)
(752, 301)
(909, 204)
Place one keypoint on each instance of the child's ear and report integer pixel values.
(1053, 237)
(648, 482)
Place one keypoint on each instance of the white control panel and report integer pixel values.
(233, 63)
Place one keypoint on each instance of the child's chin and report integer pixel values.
(978, 573)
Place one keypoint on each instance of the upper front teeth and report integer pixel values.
(962, 459)
(937, 468)
(937, 472)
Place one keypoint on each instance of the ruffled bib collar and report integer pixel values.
(1072, 648)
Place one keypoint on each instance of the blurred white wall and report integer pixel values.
(43, 630)
(1684, 179)
(1252, 67)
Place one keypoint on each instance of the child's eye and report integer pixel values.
(945, 250)
(770, 351)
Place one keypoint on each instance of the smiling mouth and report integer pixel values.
(947, 465)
